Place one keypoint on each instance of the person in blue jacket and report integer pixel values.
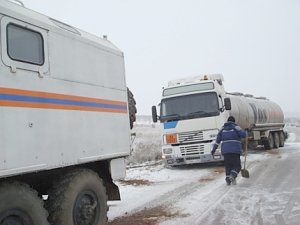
(231, 148)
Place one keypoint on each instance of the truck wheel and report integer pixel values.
(276, 140)
(252, 145)
(281, 139)
(20, 205)
(79, 198)
(269, 143)
(131, 108)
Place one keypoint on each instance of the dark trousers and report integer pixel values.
(232, 164)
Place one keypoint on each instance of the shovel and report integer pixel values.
(244, 172)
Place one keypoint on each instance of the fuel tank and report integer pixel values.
(255, 112)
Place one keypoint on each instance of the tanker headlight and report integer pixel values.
(213, 136)
(167, 151)
(171, 138)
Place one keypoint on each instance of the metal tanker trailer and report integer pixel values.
(193, 110)
(263, 119)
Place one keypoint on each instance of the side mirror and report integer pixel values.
(227, 103)
(154, 114)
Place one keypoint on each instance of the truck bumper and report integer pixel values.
(176, 161)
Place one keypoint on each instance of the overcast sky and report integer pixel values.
(255, 44)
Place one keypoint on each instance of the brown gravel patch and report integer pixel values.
(206, 179)
(147, 216)
(273, 151)
(219, 170)
(136, 182)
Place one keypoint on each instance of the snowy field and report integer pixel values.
(196, 194)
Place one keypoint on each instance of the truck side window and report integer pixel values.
(25, 45)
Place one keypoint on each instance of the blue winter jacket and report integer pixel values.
(230, 138)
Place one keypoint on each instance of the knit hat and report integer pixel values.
(231, 119)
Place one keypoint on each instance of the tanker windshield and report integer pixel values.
(189, 107)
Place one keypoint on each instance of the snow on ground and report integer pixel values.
(152, 185)
(160, 180)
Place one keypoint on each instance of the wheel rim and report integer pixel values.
(86, 209)
(15, 217)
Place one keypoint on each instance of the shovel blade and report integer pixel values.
(245, 173)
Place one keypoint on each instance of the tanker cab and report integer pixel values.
(205, 104)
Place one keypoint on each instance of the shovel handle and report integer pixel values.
(246, 151)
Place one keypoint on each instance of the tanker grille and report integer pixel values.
(188, 137)
(192, 150)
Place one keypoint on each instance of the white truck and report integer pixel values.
(192, 111)
(64, 121)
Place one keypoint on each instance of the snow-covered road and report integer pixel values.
(270, 196)
(197, 194)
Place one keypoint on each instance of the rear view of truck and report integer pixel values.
(64, 121)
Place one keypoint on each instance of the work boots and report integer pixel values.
(228, 181)
(233, 180)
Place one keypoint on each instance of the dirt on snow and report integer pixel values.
(155, 215)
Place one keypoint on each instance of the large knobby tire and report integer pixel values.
(269, 142)
(276, 140)
(79, 198)
(131, 108)
(20, 205)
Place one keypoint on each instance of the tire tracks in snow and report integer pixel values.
(168, 200)
(212, 199)
(171, 200)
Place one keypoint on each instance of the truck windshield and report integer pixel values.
(189, 107)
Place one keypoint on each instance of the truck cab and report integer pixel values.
(192, 110)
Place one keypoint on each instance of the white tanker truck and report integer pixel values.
(192, 111)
